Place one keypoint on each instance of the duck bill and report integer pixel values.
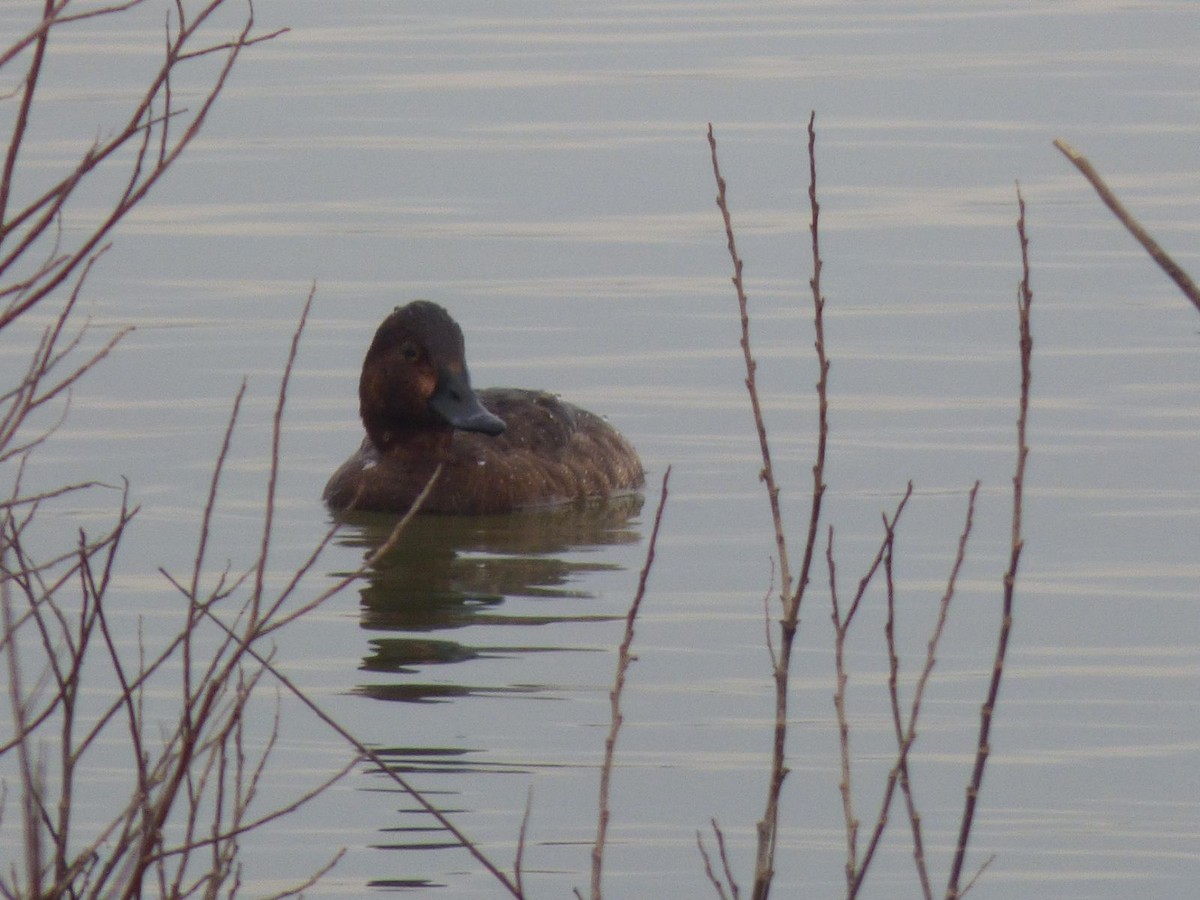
(455, 402)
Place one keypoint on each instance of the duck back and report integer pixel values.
(551, 452)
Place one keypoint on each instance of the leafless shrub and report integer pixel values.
(194, 779)
(858, 857)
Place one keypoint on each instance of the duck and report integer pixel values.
(501, 449)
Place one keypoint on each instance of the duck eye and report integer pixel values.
(409, 351)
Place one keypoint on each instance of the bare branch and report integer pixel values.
(767, 474)
(855, 868)
(983, 746)
(1174, 271)
(624, 658)
(791, 596)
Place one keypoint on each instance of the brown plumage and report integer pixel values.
(501, 449)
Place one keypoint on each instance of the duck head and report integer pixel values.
(415, 385)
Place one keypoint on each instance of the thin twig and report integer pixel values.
(57, 18)
(855, 868)
(978, 873)
(20, 125)
(791, 595)
(1157, 253)
(767, 473)
(244, 647)
(983, 746)
(907, 736)
(45, 210)
(725, 866)
(276, 438)
(624, 659)
(708, 868)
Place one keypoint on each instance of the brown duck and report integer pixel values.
(501, 449)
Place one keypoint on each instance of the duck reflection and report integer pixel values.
(449, 572)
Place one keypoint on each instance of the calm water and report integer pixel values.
(543, 172)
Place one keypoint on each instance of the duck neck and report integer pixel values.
(393, 438)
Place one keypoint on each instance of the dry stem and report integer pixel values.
(726, 878)
(764, 865)
(854, 867)
(1157, 253)
(906, 735)
(624, 659)
(1017, 542)
(904, 725)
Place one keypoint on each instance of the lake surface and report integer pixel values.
(542, 171)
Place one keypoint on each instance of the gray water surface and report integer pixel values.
(542, 171)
